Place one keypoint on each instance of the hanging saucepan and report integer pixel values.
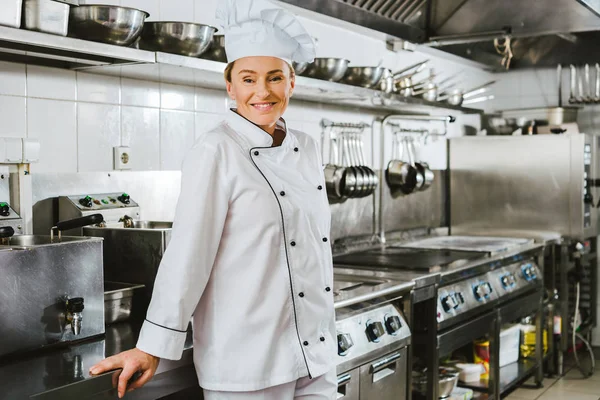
(427, 176)
(361, 178)
(373, 179)
(400, 175)
(334, 173)
(367, 172)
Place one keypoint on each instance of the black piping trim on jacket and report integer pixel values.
(166, 327)
(287, 260)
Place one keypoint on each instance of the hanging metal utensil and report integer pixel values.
(573, 76)
(588, 98)
(334, 172)
(580, 96)
(597, 93)
(423, 169)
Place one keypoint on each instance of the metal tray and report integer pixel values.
(119, 300)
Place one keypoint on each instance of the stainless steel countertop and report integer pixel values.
(57, 369)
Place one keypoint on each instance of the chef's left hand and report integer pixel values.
(131, 362)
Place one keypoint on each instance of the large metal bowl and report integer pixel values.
(216, 50)
(299, 67)
(106, 24)
(368, 77)
(183, 38)
(329, 69)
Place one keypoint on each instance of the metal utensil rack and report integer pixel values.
(385, 122)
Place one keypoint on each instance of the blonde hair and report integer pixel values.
(229, 68)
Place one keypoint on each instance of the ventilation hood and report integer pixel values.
(542, 32)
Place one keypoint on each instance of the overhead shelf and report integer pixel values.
(23, 46)
(183, 70)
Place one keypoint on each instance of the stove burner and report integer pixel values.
(431, 260)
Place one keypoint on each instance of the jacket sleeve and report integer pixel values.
(187, 263)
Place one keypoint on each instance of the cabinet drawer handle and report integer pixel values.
(344, 379)
(384, 362)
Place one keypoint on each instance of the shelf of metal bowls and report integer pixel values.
(216, 49)
(329, 69)
(115, 25)
(369, 77)
(182, 38)
(46, 16)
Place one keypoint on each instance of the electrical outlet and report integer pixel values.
(122, 157)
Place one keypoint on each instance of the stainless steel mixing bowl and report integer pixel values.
(368, 77)
(183, 38)
(330, 69)
(216, 50)
(106, 24)
(299, 67)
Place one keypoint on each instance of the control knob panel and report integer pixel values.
(529, 272)
(393, 324)
(482, 291)
(374, 330)
(344, 343)
(104, 201)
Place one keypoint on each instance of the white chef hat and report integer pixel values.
(262, 28)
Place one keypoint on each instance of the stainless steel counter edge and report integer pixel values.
(55, 373)
(403, 287)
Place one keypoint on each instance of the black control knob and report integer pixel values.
(86, 201)
(344, 343)
(588, 198)
(459, 298)
(4, 209)
(449, 303)
(75, 305)
(124, 198)
(393, 324)
(375, 331)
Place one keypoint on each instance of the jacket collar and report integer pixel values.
(253, 135)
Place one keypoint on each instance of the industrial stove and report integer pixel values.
(483, 281)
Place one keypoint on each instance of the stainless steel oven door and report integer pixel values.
(348, 385)
(385, 378)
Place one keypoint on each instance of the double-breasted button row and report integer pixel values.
(322, 339)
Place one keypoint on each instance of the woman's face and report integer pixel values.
(261, 87)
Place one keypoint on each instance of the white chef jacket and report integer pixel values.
(250, 258)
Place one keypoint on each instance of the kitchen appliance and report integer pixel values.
(11, 13)
(51, 291)
(133, 248)
(543, 183)
(482, 280)
(373, 338)
(9, 217)
(47, 16)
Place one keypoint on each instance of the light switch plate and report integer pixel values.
(122, 158)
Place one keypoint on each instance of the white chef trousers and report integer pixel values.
(322, 387)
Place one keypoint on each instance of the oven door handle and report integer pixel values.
(344, 379)
(384, 362)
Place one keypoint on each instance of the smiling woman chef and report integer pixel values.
(249, 256)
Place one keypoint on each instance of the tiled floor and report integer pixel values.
(572, 386)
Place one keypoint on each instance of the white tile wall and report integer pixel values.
(54, 124)
(13, 115)
(176, 97)
(13, 79)
(140, 93)
(176, 137)
(98, 131)
(140, 130)
(98, 88)
(50, 83)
